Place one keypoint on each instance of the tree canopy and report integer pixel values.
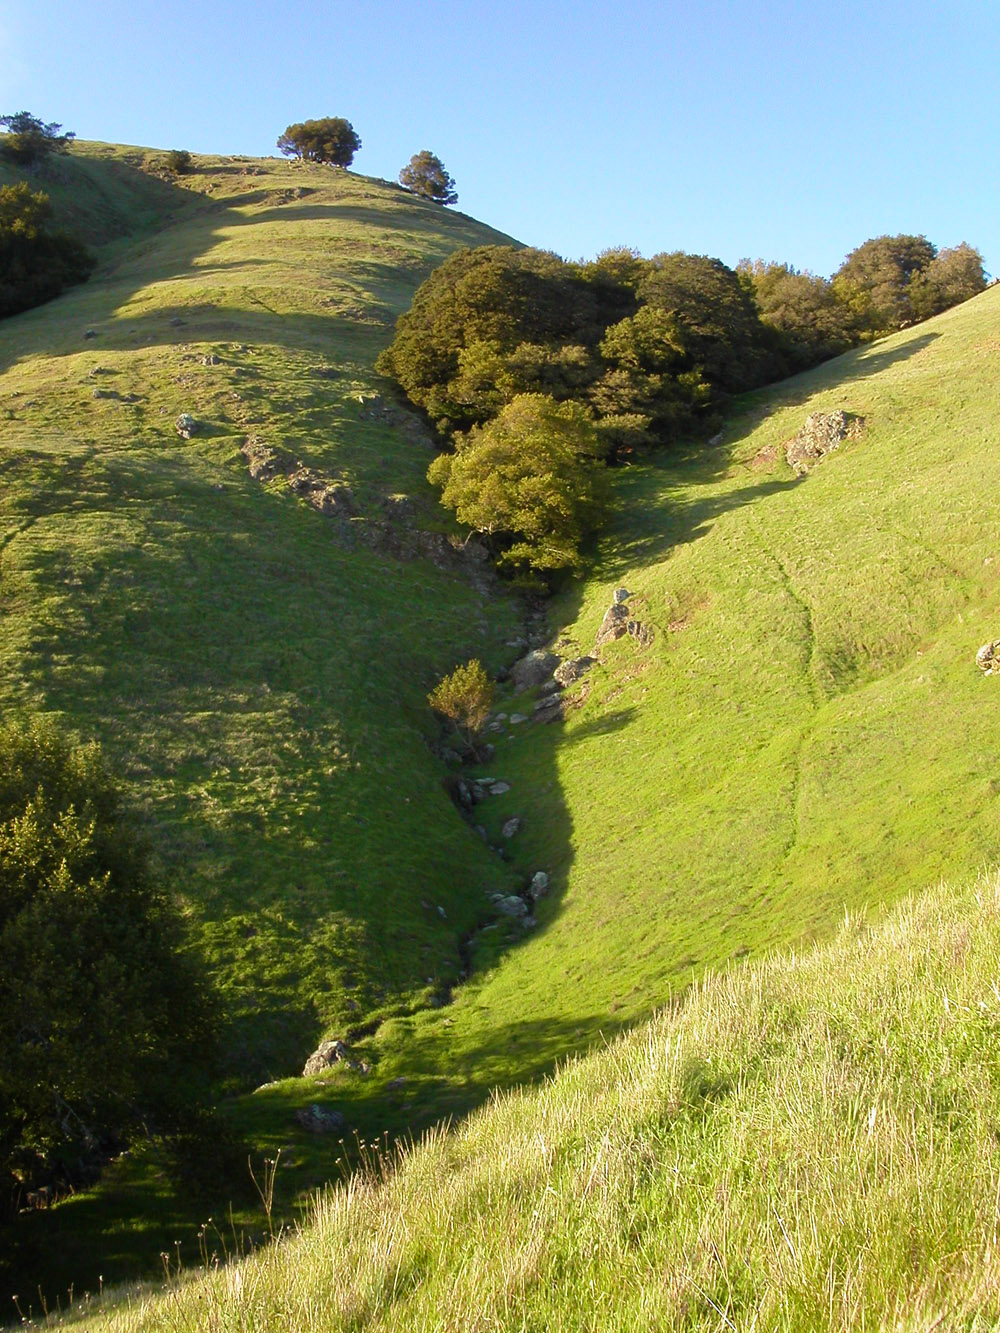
(424, 175)
(331, 140)
(35, 263)
(875, 280)
(530, 481)
(104, 1027)
(28, 139)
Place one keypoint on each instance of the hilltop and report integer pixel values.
(800, 729)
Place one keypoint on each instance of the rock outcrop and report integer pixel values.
(821, 434)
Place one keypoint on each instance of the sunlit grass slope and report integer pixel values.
(807, 1144)
(255, 669)
(808, 730)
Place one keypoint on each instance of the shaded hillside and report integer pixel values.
(257, 668)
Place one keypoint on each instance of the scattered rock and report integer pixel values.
(821, 433)
(326, 1054)
(395, 1083)
(539, 885)
(988, 658)
(176, 323)
(90, 333)
(621, 595)
(511, 827)
(614, 625)
(210, 360)
(316, 1119)
(511, 905)
(517, 718)
(528, 922)
(533, 669)
(263, 461)
(572, 669)
(186, 426)
(552, 709)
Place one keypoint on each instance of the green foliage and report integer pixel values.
(809, 320)
(425, 176)
(951, 277)
(497, 296)
(465, 697)
(28, 139)
(530, 481)
(178, 160)
(104, 1030)
(35, 264)
(716, 318)
(331, 140)
(875, 280)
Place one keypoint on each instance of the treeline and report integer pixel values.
(536, 372)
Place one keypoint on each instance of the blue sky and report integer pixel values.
(789, 131)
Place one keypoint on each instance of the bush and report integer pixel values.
(104, 1028)
(35, 264)
(465, 698)
(178, 160)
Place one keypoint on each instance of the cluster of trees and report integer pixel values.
(535, 370)
(105, 1030)
(36, 263)
(28, 140)
(333, 141)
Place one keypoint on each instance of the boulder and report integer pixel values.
(326, 1054)
(539, 885)
(821, 433)
(533, 669)
(614, 625)
(511, 905)
(572, 669)
(621, 595)
(186, 426)
(988, 658)
(511, 827)
(316, 1119)
(552, 709)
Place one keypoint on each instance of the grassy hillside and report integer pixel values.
(808, 1144)
(806, 730)
(257, 669)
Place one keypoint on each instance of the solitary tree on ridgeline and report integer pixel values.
(331, 140)
(425, 176)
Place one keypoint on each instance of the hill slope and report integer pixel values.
(805, 730)
(808, 1144)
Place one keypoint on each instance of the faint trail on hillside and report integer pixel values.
(755, 526)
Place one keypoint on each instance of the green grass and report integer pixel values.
(256, 672)
(806, 733)
(807, 1144)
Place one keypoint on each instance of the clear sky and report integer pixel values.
(788, 131)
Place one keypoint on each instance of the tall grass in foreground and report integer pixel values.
(808, 1143)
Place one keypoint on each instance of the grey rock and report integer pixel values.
(552, 709)
(90, 333)
(533, 668)
(512, 905)
(528, 922)
(567, 672)
(186, 426)
(511, 827)
(316, 1119)
(517, 718)
(210, 360)
(621, 595)
(988, 658)
(326, 1054)
(499, 788)
(614, 625)
(539, 885)
(821, 434)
